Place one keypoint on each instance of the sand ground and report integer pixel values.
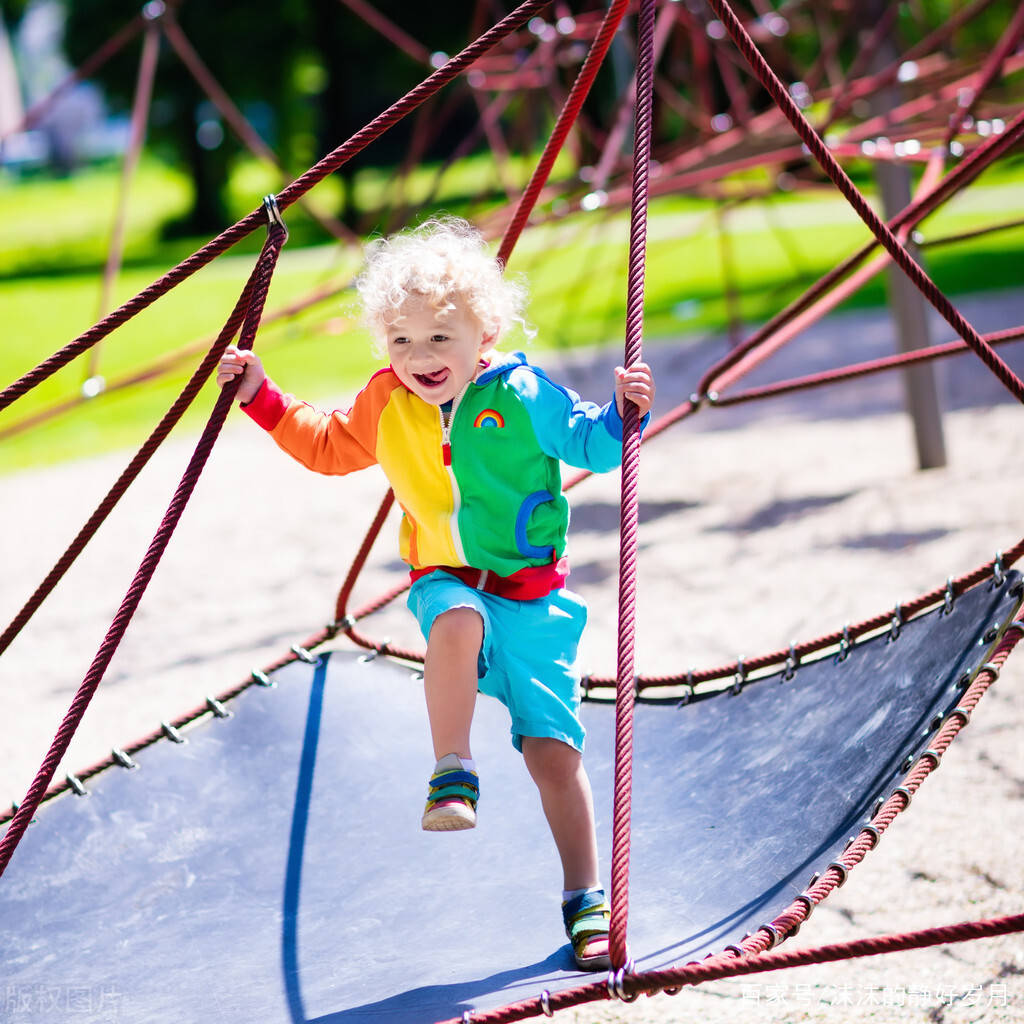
(758, 526)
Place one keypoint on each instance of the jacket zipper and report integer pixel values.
(446, 455)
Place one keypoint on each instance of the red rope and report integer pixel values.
(341, 605)
(260, 285)
(878, 227)
(630, 501)
(728, 966)
(137, 137)
(86, 69)
(134, 468)
(290, 194)
(566, 119)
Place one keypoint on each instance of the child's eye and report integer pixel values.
(439, 337)
(399, 341)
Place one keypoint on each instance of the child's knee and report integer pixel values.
(457, 627)
(550, 761)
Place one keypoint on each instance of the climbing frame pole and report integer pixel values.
(629, 521)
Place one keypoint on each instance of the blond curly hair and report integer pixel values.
(443, 260)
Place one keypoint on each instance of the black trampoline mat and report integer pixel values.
(272, 868)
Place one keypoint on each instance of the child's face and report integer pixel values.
(436, 353)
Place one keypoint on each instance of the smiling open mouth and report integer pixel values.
(432, 380)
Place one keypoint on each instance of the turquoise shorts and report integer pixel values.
(528, 656)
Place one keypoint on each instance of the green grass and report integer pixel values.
(56, 236)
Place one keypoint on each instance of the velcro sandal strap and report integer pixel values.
(585, 916)
(455, 776)
(453, 792)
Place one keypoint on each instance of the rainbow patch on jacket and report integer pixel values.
(489, 418)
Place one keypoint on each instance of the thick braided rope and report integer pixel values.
(629, 518)
(965, 172)
(134, 468)
(727, 966)
(341, 604)
(881, 231)
(566, 119)
(76, 712)
(752, 955)
(290, 194)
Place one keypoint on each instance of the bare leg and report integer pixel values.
(450, 679)
(568, 804)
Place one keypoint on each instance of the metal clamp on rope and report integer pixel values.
(261, 678)
(905, 793)
(76, 785)
(740, 679)
(844, 645)
(123, 759)
(545, 1003)
(947, 599)
(345, 624)
(992, 668)
(615, 983)
(217, 709)
(896, 625)
(792, 661)
(774, 935)
(171, 733)
(841, 869)
(302, 654)
(998, 576)
(807, 902)
(873, 832)
(690, 690)
(274, 214)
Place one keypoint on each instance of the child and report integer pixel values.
(471, 441)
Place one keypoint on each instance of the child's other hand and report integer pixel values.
(241, 362)
(636, 384)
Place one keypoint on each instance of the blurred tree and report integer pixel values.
(251, 56)
(306, 76)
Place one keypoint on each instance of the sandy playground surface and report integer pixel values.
(759, 525)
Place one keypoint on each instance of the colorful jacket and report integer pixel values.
(485, 491)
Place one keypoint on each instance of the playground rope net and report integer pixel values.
(751, 955)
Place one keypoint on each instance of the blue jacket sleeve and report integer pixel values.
(577, 432)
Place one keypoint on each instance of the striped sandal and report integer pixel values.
(586, 920)
(451, 800)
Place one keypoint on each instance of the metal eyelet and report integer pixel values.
(998, 576)
(123, 759)
(842, 870)
(844, 645)
(875, 834)
(172, 733)
(303, 655)
(896, 625)
(740, 679)
(76, 785)
(792, 662)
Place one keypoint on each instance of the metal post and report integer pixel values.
(908, 306)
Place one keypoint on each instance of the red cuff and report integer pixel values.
(268, 406)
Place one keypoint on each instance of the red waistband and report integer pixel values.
(525, 585)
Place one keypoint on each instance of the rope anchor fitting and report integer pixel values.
(274, 214)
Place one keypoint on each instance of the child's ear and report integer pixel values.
(489, 340)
